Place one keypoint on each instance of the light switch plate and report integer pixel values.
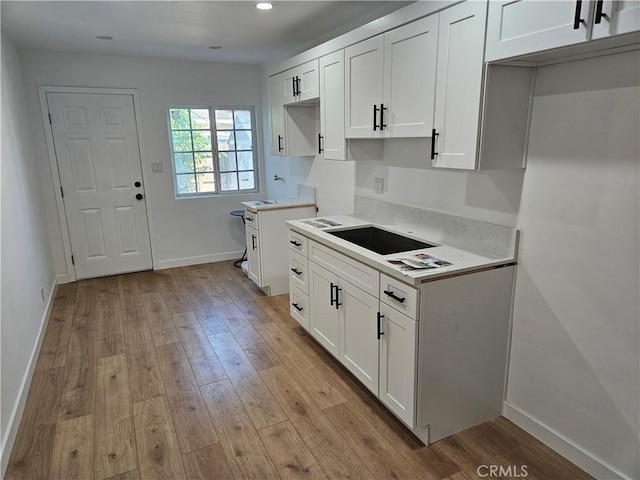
(378, 185)
(156, 167)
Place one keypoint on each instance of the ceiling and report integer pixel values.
(185, 29)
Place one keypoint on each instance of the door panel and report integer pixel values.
(332, 105)
(358, 334)
(324, 319)
(98, 157)
(253, 255)
(622, 16)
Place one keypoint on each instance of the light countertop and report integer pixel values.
(462, 261)
(260, 205)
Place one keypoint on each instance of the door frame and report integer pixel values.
(70, 275)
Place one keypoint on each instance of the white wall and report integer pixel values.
(26, 259)
(575, 363)
(575, 360)
(183, 231)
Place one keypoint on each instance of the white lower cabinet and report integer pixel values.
(253, 255)
(398, 356)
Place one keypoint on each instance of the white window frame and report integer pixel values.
(214, 150)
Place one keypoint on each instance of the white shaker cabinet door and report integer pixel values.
(358, 334)
(253, 255)
(459, 85)
(331, 141)
(527, 26)
(615, 17)
(363, 88)
(324, 316)
(276, 115)
(410, 78)
(398, 363)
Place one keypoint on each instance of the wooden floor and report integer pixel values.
(193, 373)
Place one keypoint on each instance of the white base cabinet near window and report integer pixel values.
(435, 355)
(267, 252)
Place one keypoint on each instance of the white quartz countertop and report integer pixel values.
(462, 261)
(259, 205)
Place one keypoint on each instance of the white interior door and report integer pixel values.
(98, 155)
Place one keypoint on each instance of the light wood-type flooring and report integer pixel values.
(194, 373)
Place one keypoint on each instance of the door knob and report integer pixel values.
(138, 184)
(139, 196)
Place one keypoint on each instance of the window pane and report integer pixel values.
(247, 181)
(200, 119)
(179, 118)
(224, 120)
(243, 140)
(243, 119)
(206, 182)
(181, 141)
(186, 184)
(184, 162)
(245, 160)
(227, 161)
(201, 140)
(226, 141)
(204, 162)
(228, 181)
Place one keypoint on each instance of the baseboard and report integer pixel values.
(60, 279)
(183, 262)
(577, 455)
(18, 408)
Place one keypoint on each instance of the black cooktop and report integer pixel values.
(380, 241)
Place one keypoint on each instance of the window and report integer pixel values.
(213, 150)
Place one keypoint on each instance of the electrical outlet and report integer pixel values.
(156, 167)
(378, 185)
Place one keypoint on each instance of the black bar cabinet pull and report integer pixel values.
(297, 307)
(338, 290)
(320, 149)
(280, 143)
(382, 110)
(599, 14)
(576, 17)
(253, 242)
(375, 118)
(293, 86)
(434, 134)
(389, 293)
(331, 293)
(249, 219)
(293, 242)
(296, 271)
(380, 332)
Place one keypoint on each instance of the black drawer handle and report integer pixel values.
(249, 219)
(379, 331)
(293, 242)
(296, 271)
(434, 134)
(375, 118)
(395, 297)
(382, 110)
(297, 307)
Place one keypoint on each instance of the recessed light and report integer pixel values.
(104, 37)
(264, 6)
(215, 47)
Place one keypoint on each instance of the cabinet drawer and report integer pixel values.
(299, 306)
(298, 243)
(299, 271)
(398, 295)
(354, 272)
(251, 219)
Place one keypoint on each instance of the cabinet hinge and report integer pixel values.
(50, 122)
(73, 260)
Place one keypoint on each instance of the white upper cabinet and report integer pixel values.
(389, 81)
(529, 26)
(301, 83)
(613, 17)
(276, 115)
(459, 86)
(363, 87)
(331, 142)
(526, 26)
